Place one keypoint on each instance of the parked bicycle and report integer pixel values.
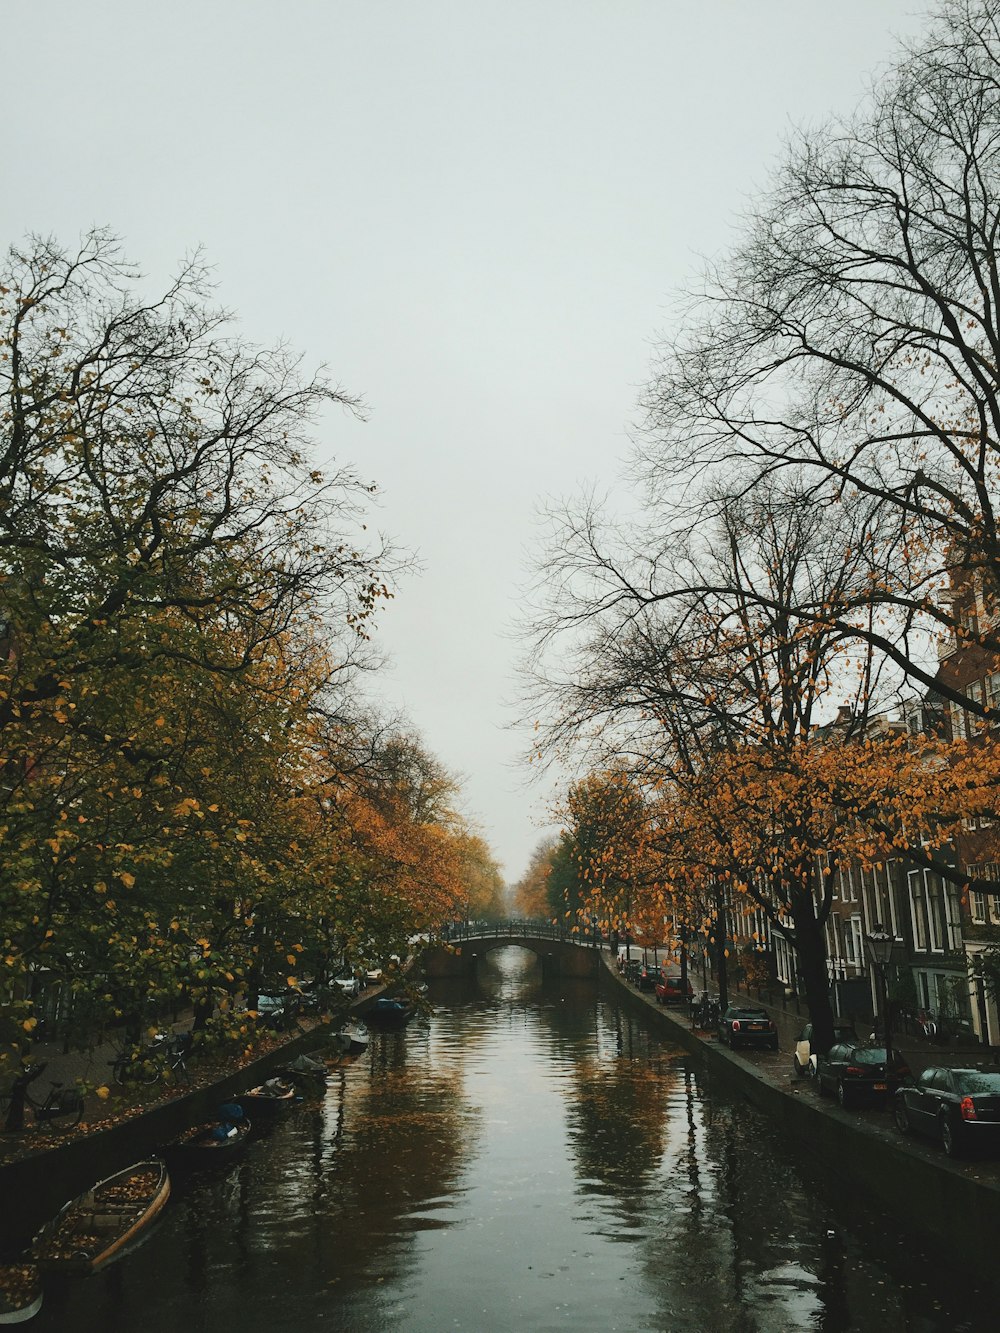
(165, 1057)
(60, 1109)
(706, 1014)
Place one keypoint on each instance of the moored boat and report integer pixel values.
(269, 1098)
(207, 1145)
(390, 1011)
(305, 1071)
(20, 1292)
(355, 1039)
(104, 1221)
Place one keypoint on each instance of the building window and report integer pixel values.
(979, 907)
(958, 722)
(918, 908)
(868, 895)
(891, 917)
(853, 947)
(953, 918)
(935, 912)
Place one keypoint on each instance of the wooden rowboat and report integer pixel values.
(207, 1145)
(269, 1098)
(20, 1292)
(355, 1038)
(306, 1073)
(100, 1224)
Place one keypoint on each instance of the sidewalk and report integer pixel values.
(106, 1103)
(91, 1067)
(917, 1054)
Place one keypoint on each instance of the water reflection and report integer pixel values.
(531, 1157)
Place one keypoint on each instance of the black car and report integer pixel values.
(961, 1107)
(649, 975)
(856, 1073)
(741, 1025)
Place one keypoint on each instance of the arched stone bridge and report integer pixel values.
(562, 953)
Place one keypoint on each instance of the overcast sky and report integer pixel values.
(477, 213)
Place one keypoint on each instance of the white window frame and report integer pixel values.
(952, 918)
(934, 890)
(918, 910)
(959, 728)
(854, 948)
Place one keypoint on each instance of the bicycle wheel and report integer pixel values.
(148, 1070)
(62, 1109)
(176, 1072)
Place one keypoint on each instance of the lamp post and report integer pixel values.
(880, 942)
(593, 931)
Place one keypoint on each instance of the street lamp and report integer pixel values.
(593, 931)
(880, 942)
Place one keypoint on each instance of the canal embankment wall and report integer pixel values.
(940, 1201)
(34, 1186)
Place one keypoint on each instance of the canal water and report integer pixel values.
(531, 1157)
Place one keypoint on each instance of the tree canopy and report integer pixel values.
(816, 510)
(193, 799)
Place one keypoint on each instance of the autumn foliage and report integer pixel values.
(194, 802)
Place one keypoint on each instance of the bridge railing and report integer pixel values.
(518, 928)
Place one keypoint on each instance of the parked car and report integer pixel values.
(649, 975)
(670, 991)
(742, 1025)
(279, 1008)
(804, 1055)
(960, 1107)
(315, 997)
(348, 985)
(856, 1073)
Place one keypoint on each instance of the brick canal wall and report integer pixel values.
(938, 1200)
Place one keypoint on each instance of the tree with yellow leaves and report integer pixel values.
(184, 596)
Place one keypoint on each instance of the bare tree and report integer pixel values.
(687, 666)
(853, 338)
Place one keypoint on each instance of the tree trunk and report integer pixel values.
(203, 1010)
(721, 949)
(810, 949)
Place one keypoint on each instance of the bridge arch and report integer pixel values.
(561, 953)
